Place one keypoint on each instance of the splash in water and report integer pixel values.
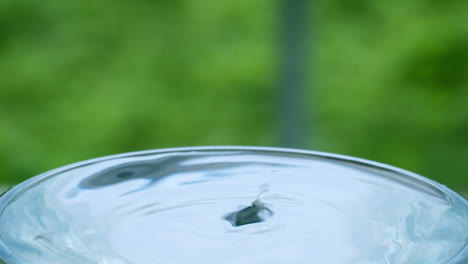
(255, 213)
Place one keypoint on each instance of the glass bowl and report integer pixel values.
(232, 205)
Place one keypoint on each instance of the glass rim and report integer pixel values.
(9, 196)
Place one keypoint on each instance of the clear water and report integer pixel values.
(182, 207)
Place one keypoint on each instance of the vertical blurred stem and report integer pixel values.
(291, 73)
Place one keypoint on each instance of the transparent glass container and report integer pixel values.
(232, 205)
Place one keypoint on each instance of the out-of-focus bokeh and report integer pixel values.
(383, 80)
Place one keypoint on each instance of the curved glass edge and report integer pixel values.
(6, 257)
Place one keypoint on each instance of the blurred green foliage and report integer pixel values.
(82, 79)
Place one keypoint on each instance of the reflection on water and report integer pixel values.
(230, 207)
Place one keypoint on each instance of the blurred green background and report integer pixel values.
(385, 80)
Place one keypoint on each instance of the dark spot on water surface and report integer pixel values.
(255, 213)
(125, 174)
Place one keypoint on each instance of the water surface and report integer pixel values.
(230, 206)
